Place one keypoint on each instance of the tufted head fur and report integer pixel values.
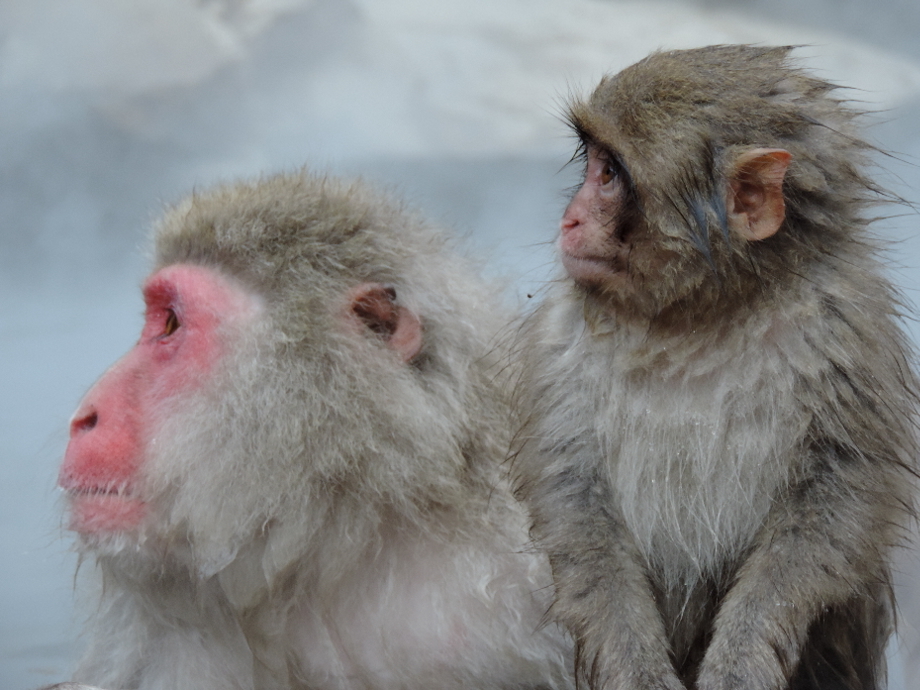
(676, 121)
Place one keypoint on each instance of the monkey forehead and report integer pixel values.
(202, 290)
(671, 104)
(701, 83)
(285, 232)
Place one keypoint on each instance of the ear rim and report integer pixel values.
(755, 205)
(373, 307)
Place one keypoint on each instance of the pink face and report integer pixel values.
(592, 242)
(191, 314)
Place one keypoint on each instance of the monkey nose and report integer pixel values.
(571, 219)
(83, 421)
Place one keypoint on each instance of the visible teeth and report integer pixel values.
(119, 490)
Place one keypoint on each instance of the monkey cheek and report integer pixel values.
(92, 514)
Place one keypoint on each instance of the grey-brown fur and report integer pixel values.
(720, 461)
(329, 516)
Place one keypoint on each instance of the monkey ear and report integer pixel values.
(756, 208)
(374, 306)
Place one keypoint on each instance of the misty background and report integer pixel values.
(111, 109)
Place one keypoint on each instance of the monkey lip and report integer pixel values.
(591, 268)
(98, 509)
(120, 492)
(76, 489)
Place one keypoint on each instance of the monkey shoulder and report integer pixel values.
(854, 365)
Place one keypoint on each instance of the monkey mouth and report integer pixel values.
(593, 269)
(119, 492)
(116, 489)
(96, 510)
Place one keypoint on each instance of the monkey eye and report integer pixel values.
(172, 323)
(608, 173)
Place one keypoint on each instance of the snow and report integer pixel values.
(110, 109)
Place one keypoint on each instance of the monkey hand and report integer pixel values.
(641, 679)
(645, 667)
(743, 661)
(665, 682)
(631, 676)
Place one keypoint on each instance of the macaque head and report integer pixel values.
(193, 320)
(708, 173)
(293, 367)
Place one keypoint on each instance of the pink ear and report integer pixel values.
(374, 306)
(756, 207)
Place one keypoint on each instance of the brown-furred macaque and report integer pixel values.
(295, 479)
(720, 402)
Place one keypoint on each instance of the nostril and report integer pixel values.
(85, 423)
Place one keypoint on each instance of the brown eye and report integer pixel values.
(608, 173)
(172, 323)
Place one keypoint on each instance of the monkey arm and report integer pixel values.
(603, 594)
(820, 554)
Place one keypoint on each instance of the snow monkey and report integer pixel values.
(720, 400)
(295, 479)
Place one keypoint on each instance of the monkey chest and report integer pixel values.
(694, 463)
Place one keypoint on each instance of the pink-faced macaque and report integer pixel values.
(295, 479)
(720, 401)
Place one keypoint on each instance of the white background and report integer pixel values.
(110, 109)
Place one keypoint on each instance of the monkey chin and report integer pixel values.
(606, 278)
(96, 514)
(591, 271)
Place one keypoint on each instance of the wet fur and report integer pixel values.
(720, 463)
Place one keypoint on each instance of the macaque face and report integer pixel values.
(594, 238)
(606, 245)
(644, 262)
(193, 315)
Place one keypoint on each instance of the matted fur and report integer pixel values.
(720, 459)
